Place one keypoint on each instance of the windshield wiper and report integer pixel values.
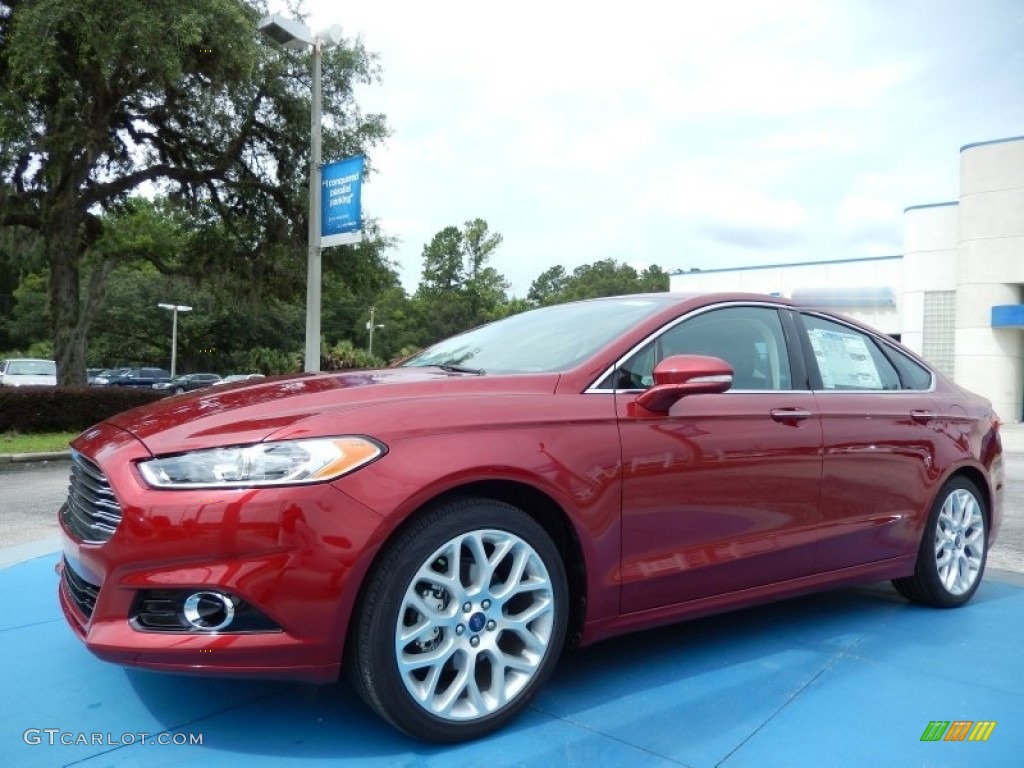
(461, 369)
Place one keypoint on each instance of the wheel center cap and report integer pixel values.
(477, 621)
(959, 543)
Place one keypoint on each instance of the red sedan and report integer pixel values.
(442, 529)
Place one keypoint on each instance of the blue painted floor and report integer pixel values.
(848, 678)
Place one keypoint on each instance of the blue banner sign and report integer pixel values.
(341, 215)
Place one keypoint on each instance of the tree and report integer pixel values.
(29, 318)
(403, 325)
(99, 98)
(607, 277)
(459, 289)
(548, 287)
(149, 247)
(485, 288)
(602, 278)
(20, 256)
(357, 278)
(654, 279)
(131, 330)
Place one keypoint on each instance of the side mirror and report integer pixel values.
(681, 375)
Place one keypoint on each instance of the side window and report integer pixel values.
(750, 339)
(848, 358)
(913, 375)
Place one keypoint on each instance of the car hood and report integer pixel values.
(301, 405)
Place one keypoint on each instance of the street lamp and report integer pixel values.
(293, 34)
(370, 326)
(175, 309)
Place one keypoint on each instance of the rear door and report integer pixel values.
(880, 426)
(720, 493)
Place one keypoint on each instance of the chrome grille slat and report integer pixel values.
(91, 511)
(82, 593)
(95, 496)
(93, 486)
(113, 517)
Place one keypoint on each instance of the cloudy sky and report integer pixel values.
(685, 134)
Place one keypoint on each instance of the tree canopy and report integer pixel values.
(234, 327)
(159, 152)
(100, 99)
(606, 277)
(459, 288)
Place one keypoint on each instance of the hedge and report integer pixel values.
(66, 409)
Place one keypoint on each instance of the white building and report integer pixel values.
(954, 295)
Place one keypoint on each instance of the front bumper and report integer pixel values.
(296, 555)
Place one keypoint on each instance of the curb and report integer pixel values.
(23, 458)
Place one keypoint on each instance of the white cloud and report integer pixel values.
(678, 133)
(725, 206)
(868, 204)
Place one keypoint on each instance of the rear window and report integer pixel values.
(31, 368)
(913, 375)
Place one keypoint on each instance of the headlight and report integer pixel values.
(286, 462)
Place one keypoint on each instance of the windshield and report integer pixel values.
(32, 368)
(548, 339)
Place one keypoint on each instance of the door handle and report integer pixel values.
(922, 417)
(791, 416)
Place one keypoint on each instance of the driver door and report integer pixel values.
(721, 492)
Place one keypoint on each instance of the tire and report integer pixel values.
(446, 652)
(177, 391)
(954, 549)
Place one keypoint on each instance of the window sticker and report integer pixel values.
(844, 360)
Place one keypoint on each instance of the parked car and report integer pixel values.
(102, 378)
(234, 378)
(137, 377)
(441, 530)
(28, 372)
(188, 383)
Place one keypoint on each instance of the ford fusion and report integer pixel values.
(439, 531)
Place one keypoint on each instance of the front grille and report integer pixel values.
(82, 593)
(91, 512)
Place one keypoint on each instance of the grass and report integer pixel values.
(14, 442)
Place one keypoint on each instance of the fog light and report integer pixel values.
(196, 609)
(209, 611)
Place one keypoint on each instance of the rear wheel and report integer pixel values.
(954, 549)
(461, 622)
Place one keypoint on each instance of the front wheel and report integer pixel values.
(461, 622)
(954, 549)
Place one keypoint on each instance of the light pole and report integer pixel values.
(290, 33)
(370, 326)
(175, 309)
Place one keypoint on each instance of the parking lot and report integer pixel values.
(851, 677)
